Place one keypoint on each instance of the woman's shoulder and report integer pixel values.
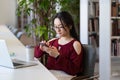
(77, 43)
(77, 46)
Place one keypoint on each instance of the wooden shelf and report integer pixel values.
(115, 37)
(115, 18)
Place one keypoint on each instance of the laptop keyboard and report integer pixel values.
(16, 64)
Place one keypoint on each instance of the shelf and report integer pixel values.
(115, 18)
(93, 17)
(95, 0)
(115, 37)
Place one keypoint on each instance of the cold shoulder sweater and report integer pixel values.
(68, 61)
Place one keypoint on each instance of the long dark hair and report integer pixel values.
(67, 19)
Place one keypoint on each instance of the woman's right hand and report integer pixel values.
(43, 45)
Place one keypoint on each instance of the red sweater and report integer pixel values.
(68, 61)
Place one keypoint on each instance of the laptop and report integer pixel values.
(7, 61)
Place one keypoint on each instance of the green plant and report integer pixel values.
(39, 26)
(40, 32)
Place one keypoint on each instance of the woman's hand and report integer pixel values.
(43, 45)
(52, 51)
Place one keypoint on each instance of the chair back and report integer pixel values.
(89, 59)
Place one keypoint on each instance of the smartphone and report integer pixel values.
(43, 44)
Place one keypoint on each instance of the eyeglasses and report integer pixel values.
(61, 27)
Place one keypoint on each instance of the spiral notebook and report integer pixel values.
(7, 61)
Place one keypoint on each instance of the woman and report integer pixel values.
(65, 52)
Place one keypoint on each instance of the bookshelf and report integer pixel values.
(105, 34)
(93, 23)
(115, 28)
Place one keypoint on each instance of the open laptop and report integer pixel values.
(7, 61)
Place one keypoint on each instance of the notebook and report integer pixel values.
(7, 61)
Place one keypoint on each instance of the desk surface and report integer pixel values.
(38, 72)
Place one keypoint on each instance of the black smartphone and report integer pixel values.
(43, 44)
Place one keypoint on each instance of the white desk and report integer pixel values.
(38, 72)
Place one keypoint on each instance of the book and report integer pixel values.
(114, 8)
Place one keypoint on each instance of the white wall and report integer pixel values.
(7, 12)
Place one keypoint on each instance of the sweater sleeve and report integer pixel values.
(72, 65)
(37, 52)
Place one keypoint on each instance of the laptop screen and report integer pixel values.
(5, 59)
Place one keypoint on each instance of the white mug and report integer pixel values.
(29, 53)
